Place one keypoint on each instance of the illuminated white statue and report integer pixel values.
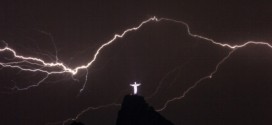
(135, 85)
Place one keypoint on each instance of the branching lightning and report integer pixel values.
(50, 68)
(62, 68)
(82, 112)
(209, 76)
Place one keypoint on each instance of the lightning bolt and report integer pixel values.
(62, 68)
(209, 76)
(50, 68)
(84, 111)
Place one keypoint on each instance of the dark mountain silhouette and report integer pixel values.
(135, 111)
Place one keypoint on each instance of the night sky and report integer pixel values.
(159, 53)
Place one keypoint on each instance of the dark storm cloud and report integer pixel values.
(240, 93)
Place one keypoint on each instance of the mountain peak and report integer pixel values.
(135, 111)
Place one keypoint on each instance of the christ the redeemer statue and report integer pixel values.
(135, 85)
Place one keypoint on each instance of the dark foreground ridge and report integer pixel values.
(135, 111)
